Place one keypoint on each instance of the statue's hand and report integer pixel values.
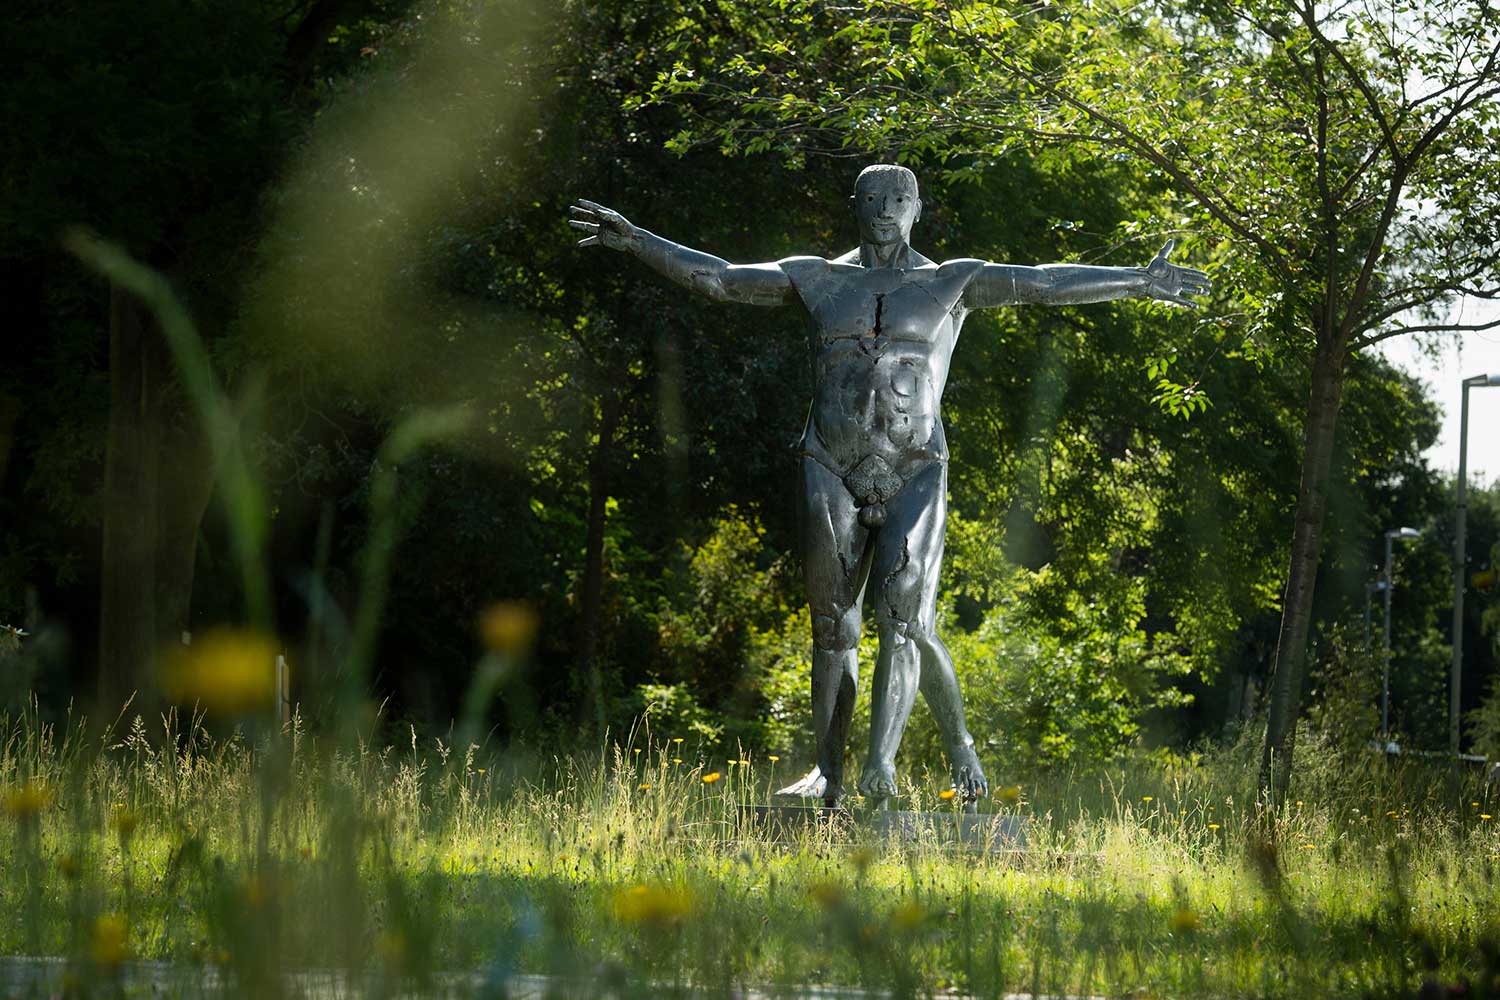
(605, 226)
(1171, 283)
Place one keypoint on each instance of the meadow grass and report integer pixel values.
(397, 864)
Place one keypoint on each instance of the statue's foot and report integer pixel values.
(968, 777)
(812, 786)
(878, 782)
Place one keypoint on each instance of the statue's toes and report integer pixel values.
(968, 777)
(878, 782)
(810, 786)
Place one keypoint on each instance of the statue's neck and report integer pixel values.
(894, 255)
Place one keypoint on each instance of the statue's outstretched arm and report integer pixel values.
(714, 277)
(1073, 284)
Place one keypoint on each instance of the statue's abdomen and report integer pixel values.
(869, 403)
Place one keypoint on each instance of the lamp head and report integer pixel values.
(1403, 533)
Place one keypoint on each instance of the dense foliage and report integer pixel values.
(377, 229)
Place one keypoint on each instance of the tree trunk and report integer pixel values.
(10, 413)
(591, 604)
(1296, 613)
(185, 481)
(159, 476)
(127, 611)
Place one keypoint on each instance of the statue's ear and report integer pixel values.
(918, 217)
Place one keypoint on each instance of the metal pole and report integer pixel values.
(1369, 589)
(1385, 659)
(1458, 574)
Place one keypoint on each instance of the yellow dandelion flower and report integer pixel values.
(826, 894)
(123, 822)
(1484, 815)
(644, 788)
(711, 777)
(479, 770)
(677, 739)
(772, 758)
(258, 891)
(637, 750)
(654, 906)
(111, 942)
(28, 800)
(1309, 847)
(946, 794)
(1213, 826)
(508, 627)
(228, 671)
(908, 917)
(1011, 794)
(745, 763)
(1184, 920)
(1146, 798)
(677, 760)
(391, 947)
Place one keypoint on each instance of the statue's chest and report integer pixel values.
(877, 306)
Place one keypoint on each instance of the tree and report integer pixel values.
(159, 126)
(1337, 160)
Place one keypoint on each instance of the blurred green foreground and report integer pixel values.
(256, 864)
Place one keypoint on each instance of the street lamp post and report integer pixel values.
(1405, 535)
(1372, 587)
(1460, 559)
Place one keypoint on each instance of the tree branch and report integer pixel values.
(1375, 338)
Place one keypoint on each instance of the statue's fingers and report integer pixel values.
(588, 227)
(1166, 249)
(580, 210)
(592, 205)
(589, 241)
(1178, 300)
(1194, 273)
(1196, 287)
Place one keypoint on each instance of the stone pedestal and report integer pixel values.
(980, 832)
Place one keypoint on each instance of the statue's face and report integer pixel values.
(886, 205)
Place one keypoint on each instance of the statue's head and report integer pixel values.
(886, 203)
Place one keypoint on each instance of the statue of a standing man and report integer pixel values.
(873, 498)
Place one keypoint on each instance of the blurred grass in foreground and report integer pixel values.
(393, 866)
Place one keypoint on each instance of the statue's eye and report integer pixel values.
(869, 197)
(900, 200)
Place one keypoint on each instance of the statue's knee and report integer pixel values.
(835, 632)
(899, 631)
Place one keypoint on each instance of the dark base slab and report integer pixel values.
(984, 832)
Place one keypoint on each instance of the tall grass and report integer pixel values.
(256, 858)
(251, 864)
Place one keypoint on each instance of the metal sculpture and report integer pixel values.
(874, 469)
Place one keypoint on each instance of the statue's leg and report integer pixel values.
(907, 560)
(940, 691)
(835, 563)
(904, 569)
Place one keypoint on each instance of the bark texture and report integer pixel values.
(1307, 537)
(591, 596)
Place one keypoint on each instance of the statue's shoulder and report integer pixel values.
(964, 267)
(803, 265)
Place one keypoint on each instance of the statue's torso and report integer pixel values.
(882, 342)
